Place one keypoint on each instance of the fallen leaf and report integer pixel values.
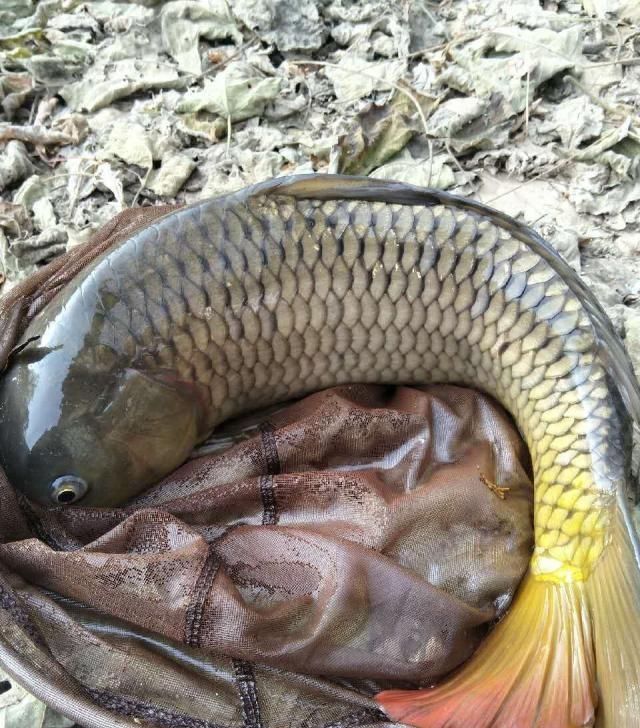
(354, 77)
(288, 24)
(184, 22)
(25, 41)
(15, 164)
(377, 134)
(599, 8)
(81, 181)
(202, 125)
(517, 159)
(467, 124)
(15, 89)
(437, 174)
(238, 92)
(454, 114)
(75, 126)
(41, 247)
(606, 141)
(44, 216)
(630, 10)
(513, 62)
(129, 142)
(574, 121)
(106, 175)
(610, 202)
(101, 85)
(63, 66)
(14, 219)
(34, 188)
(173, 173)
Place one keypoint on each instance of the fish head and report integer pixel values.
(74, 434)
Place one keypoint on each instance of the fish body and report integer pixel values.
(304, 283)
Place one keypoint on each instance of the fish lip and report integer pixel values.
(67, 489)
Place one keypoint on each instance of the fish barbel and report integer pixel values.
(303, 283)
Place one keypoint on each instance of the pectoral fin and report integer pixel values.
(157, 420)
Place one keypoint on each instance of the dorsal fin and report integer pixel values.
(340, 187)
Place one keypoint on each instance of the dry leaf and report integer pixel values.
(238, 92)
(377, 134)
(184, 22)
(355, 77)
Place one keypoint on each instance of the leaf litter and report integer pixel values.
(529, 106)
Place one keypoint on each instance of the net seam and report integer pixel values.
(269, 505)
(360, 717)
(270, 448)
(267, 491)
(9, 602)
(245, 676)
(246, 685)
(135, 708)
(195, 610)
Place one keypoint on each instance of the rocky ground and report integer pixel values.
(529, 106)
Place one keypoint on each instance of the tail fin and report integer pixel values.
(614, 596)
(535, 669)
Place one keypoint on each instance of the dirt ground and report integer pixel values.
(531, 107)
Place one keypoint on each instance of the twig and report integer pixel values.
(143, 184)
(618, 35)
(634, 33)
(73, 198)
(534, 177)
(222, 63)
(493, 487)
(34, 134)
(633, 61)
(453, 156)
(228, 110)
(66, 175)
(526, 108)
(442, 46)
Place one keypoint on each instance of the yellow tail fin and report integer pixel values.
(614, 597)
(535, 669)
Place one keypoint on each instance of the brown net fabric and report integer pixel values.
(303, 559)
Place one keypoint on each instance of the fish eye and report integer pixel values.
(67, 489)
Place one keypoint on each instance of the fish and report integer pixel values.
(306, 282)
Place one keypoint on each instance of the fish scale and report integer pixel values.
(374, 233)
(275, 297)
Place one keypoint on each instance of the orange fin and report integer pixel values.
(536, 669)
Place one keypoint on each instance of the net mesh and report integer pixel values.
(304, 558)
